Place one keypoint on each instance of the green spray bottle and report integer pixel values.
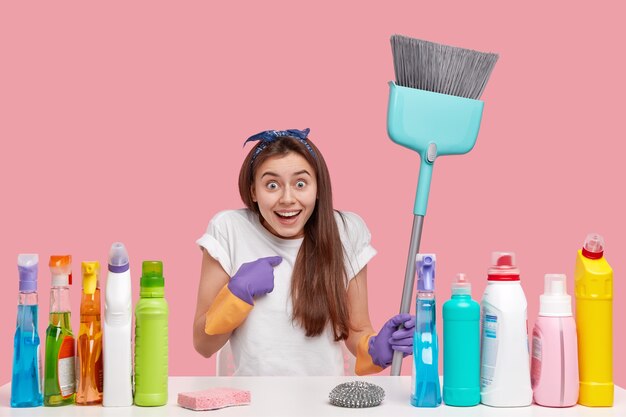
(461, 346)
(151, 355)
(59, 377)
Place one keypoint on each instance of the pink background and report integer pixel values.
(125, 121)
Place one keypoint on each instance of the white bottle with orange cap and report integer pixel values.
(505, 366)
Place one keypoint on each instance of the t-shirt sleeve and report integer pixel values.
(215, 241)
(356, 240)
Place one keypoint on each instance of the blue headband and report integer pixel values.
(269, 136)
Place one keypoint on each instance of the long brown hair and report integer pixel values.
(318, 285)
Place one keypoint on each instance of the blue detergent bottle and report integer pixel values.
(425, 388)
(26, 382)
(461, 346)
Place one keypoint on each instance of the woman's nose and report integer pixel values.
(287, 196)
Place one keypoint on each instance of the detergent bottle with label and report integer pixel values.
(505, 364)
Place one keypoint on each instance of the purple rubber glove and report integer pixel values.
(389, 338)
(254, 278)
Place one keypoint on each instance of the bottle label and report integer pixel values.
(66, 366)
(535, 366)
(489, 348)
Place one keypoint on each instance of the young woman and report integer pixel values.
(285, 279)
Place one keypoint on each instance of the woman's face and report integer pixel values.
(285, 189)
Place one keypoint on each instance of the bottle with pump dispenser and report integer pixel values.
(505, 362)
(151, 338)
(118, 316)
(593, 277)
(461, 346)
(425, 388)
(554, 364)
(89, 370)
(59, 376)
(26, 381)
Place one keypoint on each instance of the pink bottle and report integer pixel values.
(554, 364)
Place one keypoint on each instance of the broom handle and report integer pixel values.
(409, 281)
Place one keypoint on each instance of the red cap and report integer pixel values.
(593, 248)
(503, 267)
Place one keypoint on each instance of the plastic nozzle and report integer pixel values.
(503, 267)
(461, 286)
(118, 258)
(27, 265)
(61, 270)
(593, 248)
(555, 301)
(90, 270)
(426, 272)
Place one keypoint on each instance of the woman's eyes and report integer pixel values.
(273, 185)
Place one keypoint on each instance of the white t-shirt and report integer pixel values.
(269, 342)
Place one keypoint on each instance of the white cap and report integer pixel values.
(554, 302)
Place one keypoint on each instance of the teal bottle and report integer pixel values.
(461, 346)
(151, 338)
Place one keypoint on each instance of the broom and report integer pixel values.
(433, 110)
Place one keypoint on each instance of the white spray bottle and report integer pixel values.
(118, 314)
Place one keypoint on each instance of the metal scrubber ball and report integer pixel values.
(357, 394)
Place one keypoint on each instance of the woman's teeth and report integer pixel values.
(288, 214)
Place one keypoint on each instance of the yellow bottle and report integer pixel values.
(89, 364)
(594, 320)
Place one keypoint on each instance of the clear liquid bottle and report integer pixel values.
(59, 376)
(425, 387)
(151, 338)
(89, 364)
(26, 381)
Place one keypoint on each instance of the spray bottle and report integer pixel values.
(425, 388)
(461, 346)
(554, 364)
(89, 364)
(118, 315)
(505, 362)
(59, 376)
(26, 382)
(594, 317)
(151, 340)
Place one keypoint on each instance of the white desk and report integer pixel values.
(294, 396)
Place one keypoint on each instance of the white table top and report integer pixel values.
(304, 396)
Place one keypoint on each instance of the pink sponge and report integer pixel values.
(213, 398)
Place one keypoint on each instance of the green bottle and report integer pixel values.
(59, 379)
(151, 338)
(461, 346)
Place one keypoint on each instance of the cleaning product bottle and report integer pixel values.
(118, 316)
(554, 363)
(425, 388)
(89, 364)
(59, 376)
(151, 338)
(505, 367)
(594, 319)
(461, 346)
(26, 382)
